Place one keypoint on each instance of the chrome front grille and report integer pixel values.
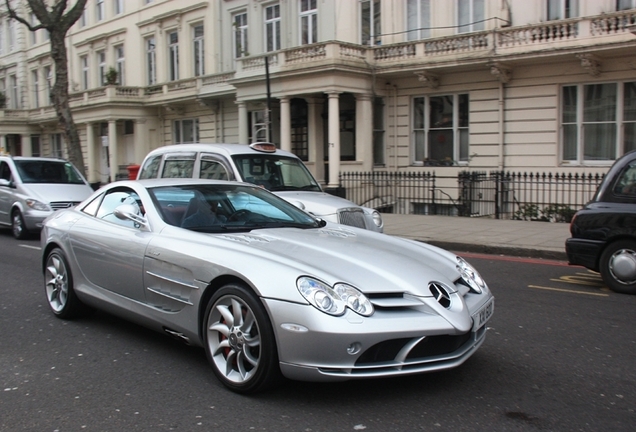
(60, 205)
(352, 217)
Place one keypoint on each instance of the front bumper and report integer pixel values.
(584, 252)
(33, 219)
(313, 346)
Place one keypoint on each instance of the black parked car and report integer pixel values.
(604, 231)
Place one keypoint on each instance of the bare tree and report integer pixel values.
(57, 18)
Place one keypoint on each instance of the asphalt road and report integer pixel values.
(559, 356)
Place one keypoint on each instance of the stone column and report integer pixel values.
(285, 124)
(364, 131)
(141, 140)
(243, 133)
(25, 145)
(112, 149)
(334, 139)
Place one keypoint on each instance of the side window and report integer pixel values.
(92, 207)
(112, 200)
(5, 171)
(212, 169)
(178, 166)
(150, 168)
(626, 184)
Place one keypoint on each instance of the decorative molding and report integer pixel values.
(174, 109)
(429, 79)
(501, 72)
(590, 63)
(172, 14)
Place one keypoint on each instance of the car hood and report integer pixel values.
(373, 262)
(48, 193)
(317, 203)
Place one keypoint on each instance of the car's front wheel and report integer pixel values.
(618, 266)
(239, 340)
(58, 285)
(18, 226)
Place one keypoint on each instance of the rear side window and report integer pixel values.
(150, 168)
(212, 169)
(178, 166)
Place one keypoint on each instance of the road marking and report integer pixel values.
(568, 291)
(30, 247)
(578, 280)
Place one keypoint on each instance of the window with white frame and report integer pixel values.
(199, 51)
(239, 21)
(82, 19)
(562, 9)
(48, 76)
(120, 64)
(151, 61)
(308, 22)
(101, 67)
(440, 129)
(185, 131)
(370, 23)
(84, 72)
(378, 132)
(418, 21)
(35, 85)
(14, 95)
(33, 35)
(173, 55)
(99, 10)
(11, 36)
(598, 121)
(56, 145)
(470, 15)
(272, 27)
(119, 7)
(625, 4)
(1, 36)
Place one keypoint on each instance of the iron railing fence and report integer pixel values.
(498, 194)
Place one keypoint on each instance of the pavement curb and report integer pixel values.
(499, 250)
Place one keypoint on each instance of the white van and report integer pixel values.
(262, 164)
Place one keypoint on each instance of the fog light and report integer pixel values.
(354, 348)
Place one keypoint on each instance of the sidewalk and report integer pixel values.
(483, 235)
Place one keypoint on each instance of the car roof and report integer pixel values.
(34, 158)
(159, 182)
(219, 148)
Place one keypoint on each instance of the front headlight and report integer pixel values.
(334, 300)
(470, 276)
(377, 218)
(37, 205)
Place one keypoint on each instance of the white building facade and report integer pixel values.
(354, 85)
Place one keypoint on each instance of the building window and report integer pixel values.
(120, 63)
(85, 76)
(299, 128)
(370, 26)
(440, 129)
(82, 19)
(99, 10)
(1, 36)
(173, 55)
(199, 52)
(418, 19)
(186, 131)
(36, 88)
(470, 15)
(48, 76)
(119, 7)
(592, 118)
(14, 96)
(11, 28)
(151, 61)
(308, 22)
(240, 34)
(35, 145)
(625, 4)
(378, 131)
(258, 126)
(56, 145)
(272, 27)
(33, 35)
(101, 67)
(562, 9)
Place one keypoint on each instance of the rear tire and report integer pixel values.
(18, 226)
(618, 266)
(58, 285)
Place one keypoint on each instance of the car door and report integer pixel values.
(6, 193)
(110, 251)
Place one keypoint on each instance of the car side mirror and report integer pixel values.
(130, 212)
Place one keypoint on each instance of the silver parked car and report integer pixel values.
(262, 286)
(31, 188)
(262, 164)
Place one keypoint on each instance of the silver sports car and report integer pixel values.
(264, 287)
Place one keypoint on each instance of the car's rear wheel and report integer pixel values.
(18, 226)
(618, 266)
(58, 285)
(239, 340)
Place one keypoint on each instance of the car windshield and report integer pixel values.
(43, 171)
(216, 208)
(275, 173)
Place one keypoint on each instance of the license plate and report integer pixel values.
(483, 315)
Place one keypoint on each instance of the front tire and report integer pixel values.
(618, 266)
(239, 340)
(58, 285)
(18, 227)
